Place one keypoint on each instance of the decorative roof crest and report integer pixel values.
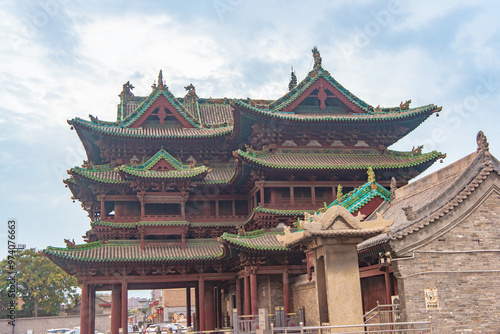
(126, 94)
(191, 96)
(482, 142)
(161, 84)
(317, 58)
(293, 81)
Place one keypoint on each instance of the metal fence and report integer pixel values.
(423, 327)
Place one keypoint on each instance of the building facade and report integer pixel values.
(193, 193)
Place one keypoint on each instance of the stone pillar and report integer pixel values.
(84, 312)
(115, 308)
(342, 281)
(124, 307)
(286, 291)
(253, 293)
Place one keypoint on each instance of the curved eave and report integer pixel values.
(148, 133)
(255, 244)
(333, 118)
(415, 162)
(106, 176)
(198, 172)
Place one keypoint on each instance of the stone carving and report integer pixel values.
(393, 188)
(317, 58)
(336, 221)
(482, 142)
(410, 214)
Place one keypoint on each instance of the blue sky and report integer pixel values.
(62, 59)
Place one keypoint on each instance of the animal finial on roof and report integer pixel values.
(191, 96)
(317, 58)
(371, 175)
(409, 213)
(482, 142)
(293, 81)
(405, 106)
(394, 186)
(126, 93)
(69, 244)
(418, 150)
(339, 194)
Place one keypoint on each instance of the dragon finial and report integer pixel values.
(339, 194)
(317, 58)
(293, 81)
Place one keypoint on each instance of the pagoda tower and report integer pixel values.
(189, 191)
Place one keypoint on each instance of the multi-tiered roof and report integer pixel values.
(238, 157)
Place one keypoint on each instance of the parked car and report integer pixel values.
(58, 331)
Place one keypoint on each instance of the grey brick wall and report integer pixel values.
(469, 295)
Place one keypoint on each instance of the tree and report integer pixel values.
(42, 285)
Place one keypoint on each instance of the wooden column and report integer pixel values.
(197, 307)
(103, 207)
(246, 295)
(261, 190)
(273, 196)
(334, 193)
(210, 316)
(188, 306)
(84, 312)
(238, 296)
(286, 291)
(387, 279)
(313, 194)
(253, 293)
(115, 308)
(234, 207)
(183, 210)
(124, 307)
(292, 196)
(201, 298)
(92, 308)
(216, 208)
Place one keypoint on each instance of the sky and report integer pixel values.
(61, 59)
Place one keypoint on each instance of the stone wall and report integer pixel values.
(303, 293)
(462, 263)
(41, 324)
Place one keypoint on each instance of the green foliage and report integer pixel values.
(42, 286)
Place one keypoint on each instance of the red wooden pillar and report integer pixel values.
(201, 297)
(292, 195)
(253, 293)
(246, 295)
(197, 308)
(286, 291)
(210, 307)
(313, 194)
(233, 207)
(103, 207)
(188, 306)
(84, 312)
(238, 297)
(115, 308)
(124, 302)
(92, 308)
(262, 199)
(387, 286)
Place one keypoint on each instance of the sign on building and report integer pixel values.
(431, 299)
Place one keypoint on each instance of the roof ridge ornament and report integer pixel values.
(293, 81)
(161, 84)
(483, 146)
(317, 58)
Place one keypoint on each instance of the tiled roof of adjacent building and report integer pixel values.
(433, 196)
